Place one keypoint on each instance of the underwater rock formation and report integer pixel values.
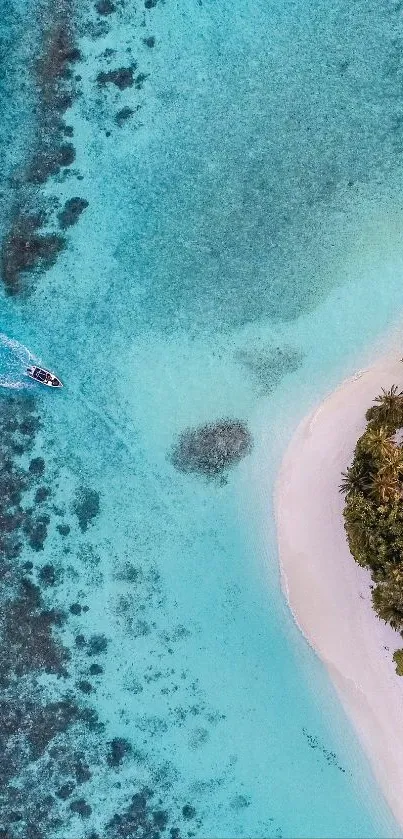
(105, 7)
(71, 211)
(122, 77)
(86, 507)
(27, 248)
(123, 115)
(211, 449)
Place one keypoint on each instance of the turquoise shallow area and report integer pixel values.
(242, 250)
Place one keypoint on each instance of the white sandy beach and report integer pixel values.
(329, 594)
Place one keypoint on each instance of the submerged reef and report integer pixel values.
(27, 248)
(54, 748)
(105, 7)
(373, 511)
(211, 449)
(32, 243)
(121, 77)
(33, 718)
(123, 115)
(268, 366)
(71, 211)
(86, 507)
(143, 817)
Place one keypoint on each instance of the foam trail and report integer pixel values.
(14, 359)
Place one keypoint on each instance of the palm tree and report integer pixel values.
(388, 482)
(387, 598)
(354, 479)
(387, 612)
(378, 443)
(390, 405)
(397, 573)
(385, 485)
(392, 461)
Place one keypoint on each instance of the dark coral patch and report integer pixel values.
(65, 790)
(86, 507)
(150, 41)
(38, 724)
(97, 644)
(81, 807)
(123, 115)
(26, 249)
(54, 74)
(28, 566)
(140, 79)
(64, 529)
(47, 575)
(95, 669)
(122, 77)
(139, 819)
(46, 722)
(118, 749)
(49, 161)
(37, 466)
(105, 7)
(212, 449)
(29, 425)
(59, 52)
(71, 212)
(41, 495)
(81, 769)
(90, 717)
(84, 686)
(36, 532)
(160, 819)
(18, 423)
(27, 640)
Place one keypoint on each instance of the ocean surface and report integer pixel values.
(239, 250)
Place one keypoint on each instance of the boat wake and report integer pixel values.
(14, 360)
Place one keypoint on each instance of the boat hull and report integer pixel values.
(43, 377)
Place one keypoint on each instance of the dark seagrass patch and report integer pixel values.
(211, 449)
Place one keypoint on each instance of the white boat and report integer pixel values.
(45, 377)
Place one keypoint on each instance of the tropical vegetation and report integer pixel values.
(373, 511)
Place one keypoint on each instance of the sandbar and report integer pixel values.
(328, 593)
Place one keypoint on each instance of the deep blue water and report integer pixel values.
(241, 249)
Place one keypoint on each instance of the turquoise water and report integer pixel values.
(241, 251)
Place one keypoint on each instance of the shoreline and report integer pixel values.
(328, 593)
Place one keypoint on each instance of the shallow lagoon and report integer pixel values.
(240, 253)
